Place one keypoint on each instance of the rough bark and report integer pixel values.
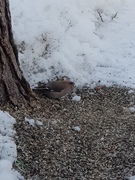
(13, 86)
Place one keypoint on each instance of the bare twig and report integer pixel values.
(99, 13)
(114, 16)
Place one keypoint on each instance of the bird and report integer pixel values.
(55, 89)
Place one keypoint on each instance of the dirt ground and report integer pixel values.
(92, 139)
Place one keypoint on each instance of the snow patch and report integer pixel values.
(132, 109)
(33, 122)
(76, 128)
(131, 91)
(8, 152)
(71, 39)
(131, 178)
(76, 98)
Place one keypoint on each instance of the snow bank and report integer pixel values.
(60, 38)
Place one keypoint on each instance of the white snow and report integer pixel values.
(76, 98)
(68, 38)
(30, 121)
(33, 122)
(76, 128)
(38, 123)
(131, 91)
(132, 109)
(8, 153)
(132, 178)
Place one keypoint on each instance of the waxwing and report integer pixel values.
(55, 89)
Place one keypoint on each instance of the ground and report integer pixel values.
(90, 42)
(92, 139)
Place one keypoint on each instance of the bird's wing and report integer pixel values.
(56, 86)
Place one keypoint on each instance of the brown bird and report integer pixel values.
(55, 89)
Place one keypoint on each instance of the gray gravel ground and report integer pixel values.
(102, 149)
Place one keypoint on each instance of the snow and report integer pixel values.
(38, 123)
(30, 121)
(132, 109)
(60, 38)
(132, 178)
(86, 41)
(8, 153)
(33, 122)
(131, 91)
(76, 128)
(76, 98)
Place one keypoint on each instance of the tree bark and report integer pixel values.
(13, 86)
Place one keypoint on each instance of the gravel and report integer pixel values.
(90, 139)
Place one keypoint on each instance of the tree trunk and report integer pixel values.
(13, 86)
